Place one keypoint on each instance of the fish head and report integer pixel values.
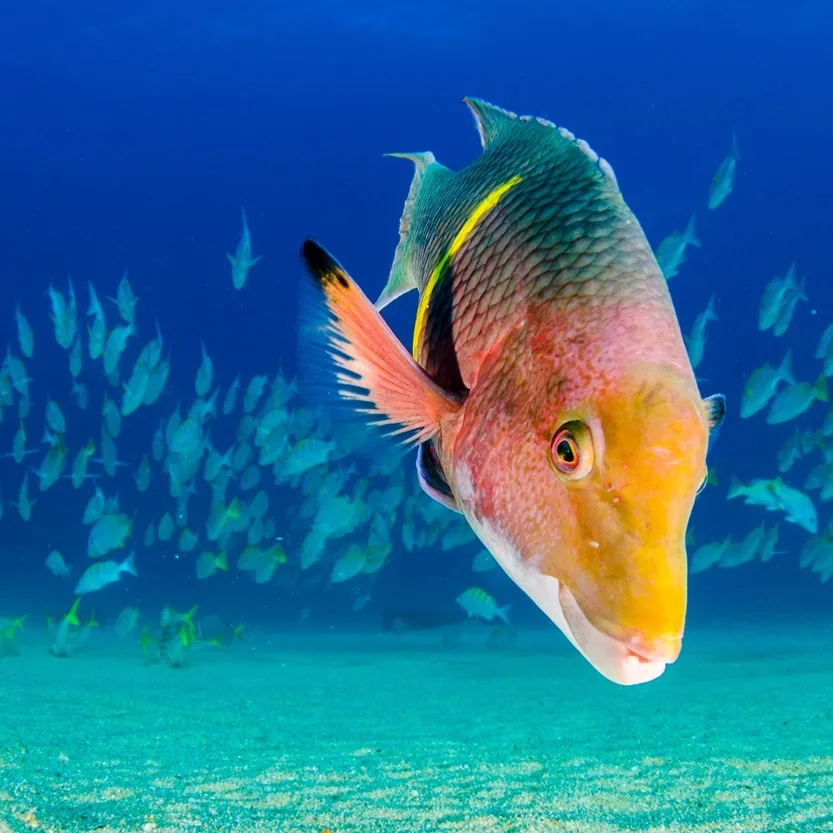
(582, 490)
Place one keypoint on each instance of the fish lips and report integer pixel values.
(623, 657)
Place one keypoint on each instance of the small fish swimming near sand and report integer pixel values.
(478, 603)
(577, 470)
(62, 644)
(102, 573)
(127, 621)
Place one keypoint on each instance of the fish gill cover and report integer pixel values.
(179, 514)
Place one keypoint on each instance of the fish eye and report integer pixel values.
(571, 450)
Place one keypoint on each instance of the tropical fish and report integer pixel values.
(242, 261)
(671, 252)
(25, 336)
(762, 385)
(208, 563)
(696, 342)
(205, 373)
(102, 573)
(477, 602)
(56, 565)
(549, 389)
(793, 401)
(62, 645)
(127, 621)
(724, 178)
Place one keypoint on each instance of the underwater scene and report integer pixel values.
(416, 418)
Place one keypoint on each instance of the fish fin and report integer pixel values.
(231, 260)
(494, 122)
(403, 273)
(715, 409)
(72, 616)
(490, 120)
(691, 232)
(432, 478)
(373, 370)
(129, 565)
(785, 370)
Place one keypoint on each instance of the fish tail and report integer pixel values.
(503, 613)
(373, 370)
(72, 616)
(129, 565)
(221, 563)
(785, 371)
(821, 388)
(691, 233)
(735, 151)
(735, 488)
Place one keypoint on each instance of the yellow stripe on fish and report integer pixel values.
(483, 208)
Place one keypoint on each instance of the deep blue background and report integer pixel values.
(132, 136)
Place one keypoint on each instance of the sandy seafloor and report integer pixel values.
(365, 732)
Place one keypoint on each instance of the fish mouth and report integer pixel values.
(624, 656)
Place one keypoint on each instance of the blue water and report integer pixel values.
(131, 135)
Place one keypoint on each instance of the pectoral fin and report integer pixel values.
(374, 371)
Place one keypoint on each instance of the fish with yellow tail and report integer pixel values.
(548, 386)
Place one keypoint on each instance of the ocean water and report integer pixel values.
(328, 678)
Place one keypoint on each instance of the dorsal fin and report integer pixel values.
(493, 121)
(403, 276)
(489, 119)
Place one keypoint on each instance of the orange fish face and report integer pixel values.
(582, 491)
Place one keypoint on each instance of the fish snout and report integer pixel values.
(648, 648)
(623, 654)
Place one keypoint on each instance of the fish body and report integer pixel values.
(56, 565)
(109, 532)
(795, 400)
(545, 341)
(762, 386)
(102, 573)
(25, 336)
(76, 358)
(125, 300)
(696, 342)
(709, 555)
(724, 178)
(242, 261)
(205, 373)
(671, 252)
(478, 603)
(127, 621)
(62, 644)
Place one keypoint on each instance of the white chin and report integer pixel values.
(609, 657)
